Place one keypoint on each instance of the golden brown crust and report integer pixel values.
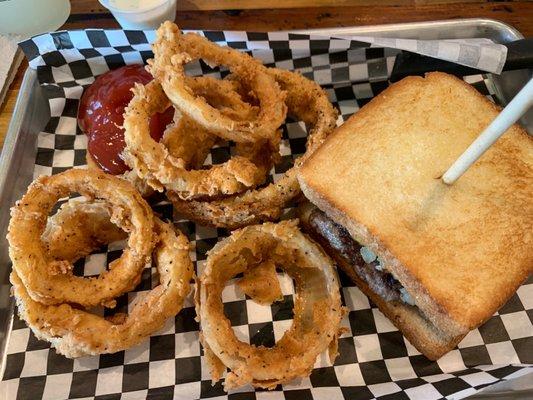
(463, 249)
(78, 228)
(261, 283)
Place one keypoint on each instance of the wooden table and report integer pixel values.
(192, 14)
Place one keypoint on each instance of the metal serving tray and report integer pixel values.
(32, 113)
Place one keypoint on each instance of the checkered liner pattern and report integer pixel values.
(375, 360)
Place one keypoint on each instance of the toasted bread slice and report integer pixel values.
(462, 250)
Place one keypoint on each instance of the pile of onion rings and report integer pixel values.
(205, 108)
(306, 101)
(317, 305)
(248, 108)
(185, 139)
(44, 249)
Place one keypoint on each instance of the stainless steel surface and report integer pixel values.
(446, 29)
(16, 169)
(515, 389)
(32, 112)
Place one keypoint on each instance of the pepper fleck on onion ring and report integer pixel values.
(306, 101)
(29, 255)
(74, 332)
(317, 306)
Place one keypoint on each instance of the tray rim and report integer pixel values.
(14, 131)
(403, 27)
(15, 125)
(12, 142)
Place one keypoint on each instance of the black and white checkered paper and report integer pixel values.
(375, 360)
(479, 53)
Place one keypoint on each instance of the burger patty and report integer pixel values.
(339, 240)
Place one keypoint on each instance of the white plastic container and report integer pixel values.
(149, 17)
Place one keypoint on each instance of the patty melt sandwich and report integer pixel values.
(438, 260)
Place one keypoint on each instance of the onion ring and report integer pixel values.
(74, 332)
(188, 140)
(317, 306)
(172, 50)
(29, 256)
(182, 139)
(152, 162)
(306, 101)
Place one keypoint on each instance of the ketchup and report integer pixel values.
(100, 116)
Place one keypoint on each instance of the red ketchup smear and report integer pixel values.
(100, 116)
